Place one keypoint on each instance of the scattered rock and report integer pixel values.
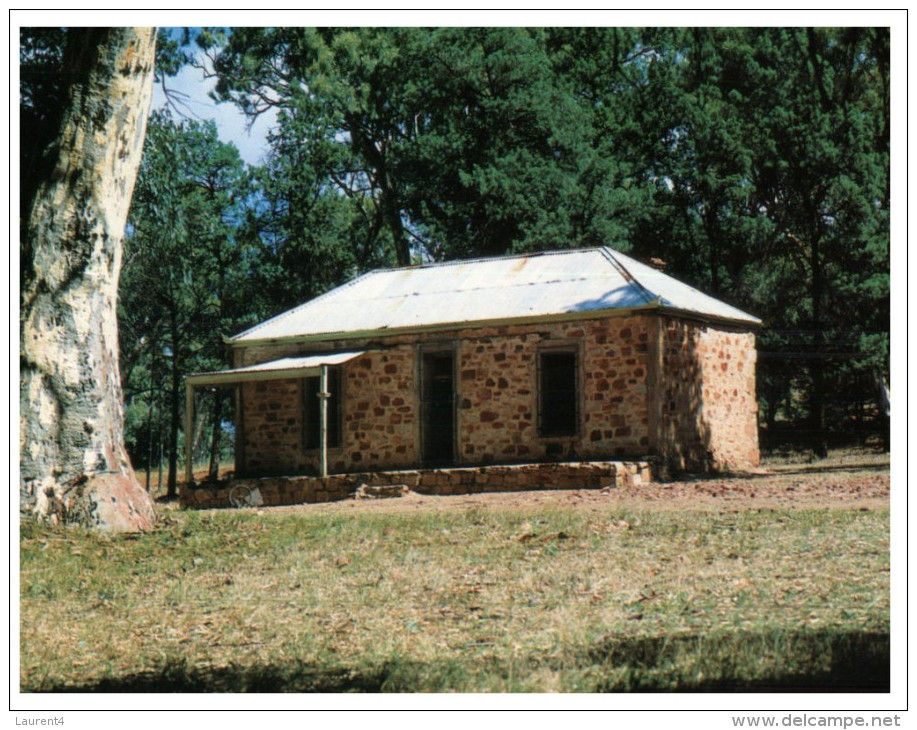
(526, 532)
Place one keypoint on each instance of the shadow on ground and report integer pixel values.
(783, 471)
(832, 468)
(176, 676)
(806, 661)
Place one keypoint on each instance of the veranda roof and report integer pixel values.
(285, 367)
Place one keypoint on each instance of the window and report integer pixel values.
(312, 410)
(557, 387)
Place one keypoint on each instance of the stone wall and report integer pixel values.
(707, 410)
(380, 409)
(730, 402)
(499, 400)
(275, 491)
(271, 427)
(378, 420)
(647, 385)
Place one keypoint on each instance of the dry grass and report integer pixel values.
(472, 598)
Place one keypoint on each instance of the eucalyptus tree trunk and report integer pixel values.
(73, 464)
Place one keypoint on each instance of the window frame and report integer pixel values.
(575, 349)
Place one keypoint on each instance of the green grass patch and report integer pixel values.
(496, 600)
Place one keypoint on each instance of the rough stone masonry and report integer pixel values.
(649, 385)
(276, 491)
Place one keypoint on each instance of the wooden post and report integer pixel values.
(189, 424)
(324, 395)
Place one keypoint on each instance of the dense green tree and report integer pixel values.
(753, 162)
(331, 88)
(768, 150)
(499, 146)
(825, 189)
(613, 76)
(311, 235)
(818, 139)
(450, 142)
(188, 272)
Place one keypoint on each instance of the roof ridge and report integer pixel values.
(487, 259)
(612, 257)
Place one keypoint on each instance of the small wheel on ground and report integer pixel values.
(241, 496)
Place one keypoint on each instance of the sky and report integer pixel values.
(232, 126)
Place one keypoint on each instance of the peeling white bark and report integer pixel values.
(73, 463)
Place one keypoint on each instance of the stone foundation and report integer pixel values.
(275, 491)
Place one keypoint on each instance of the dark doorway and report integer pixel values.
(312, 406)
(557, 414)
(438, 408)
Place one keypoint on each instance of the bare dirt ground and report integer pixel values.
(853, 481)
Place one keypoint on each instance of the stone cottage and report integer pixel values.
(581, 355)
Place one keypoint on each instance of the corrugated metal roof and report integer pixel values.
(505, 288)
(291, 366)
